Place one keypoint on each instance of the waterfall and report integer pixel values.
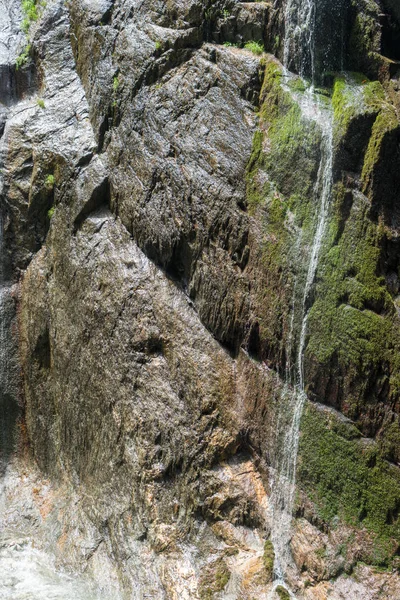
(299, 38)
(299, 42)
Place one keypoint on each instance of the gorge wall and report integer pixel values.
(160, 180)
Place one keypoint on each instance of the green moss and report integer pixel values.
(351, 321)
(352, 324)
(293, 141)
(296, 84)
(282, 593)
(389, 441)
(213, 579)
(292, 159)
(50, 181)
(280, 180)
(269, 559)
(40, 103)
(351, 480)
(50, 212)
(365, 37)
(386, 122)
(354, 95)
(255, 195)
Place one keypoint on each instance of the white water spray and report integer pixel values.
(299, 37)
(298, 48)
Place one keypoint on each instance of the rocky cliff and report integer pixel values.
(159, 184)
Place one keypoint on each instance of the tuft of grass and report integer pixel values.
(50, 212)
(254, 47)
(40, 102)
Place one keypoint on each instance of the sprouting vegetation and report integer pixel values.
(40, 103)
(50, 212)
(254, 47)
(30, 9)
(31, 12)
(23, 57)
(50, 181)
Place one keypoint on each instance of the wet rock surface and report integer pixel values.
(156, 265)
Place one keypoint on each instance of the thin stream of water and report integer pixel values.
(298, 47)
(299, 36)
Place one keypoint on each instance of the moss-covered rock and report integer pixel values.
(282, 593)
(280, 184)
(351, 324)
(214, 578)
(351, 358)
(269, 559)
(365, 40)
(350, 480)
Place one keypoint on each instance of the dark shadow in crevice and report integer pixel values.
(390, 36)
(16, 84)
(42, 353)
(9, 415)
(100, 198)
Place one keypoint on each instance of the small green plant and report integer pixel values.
(22, 59)
(254, 47)
(158, 45)
(226, 13)
(321, 552)
(50, 181)
(40, 102)
(115, 83)
(30, 11)
(50, 212)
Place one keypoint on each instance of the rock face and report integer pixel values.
(157, 197)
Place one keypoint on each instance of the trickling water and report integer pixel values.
(324, 189)
(298, 49)
(299, 37)
(293, 395)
